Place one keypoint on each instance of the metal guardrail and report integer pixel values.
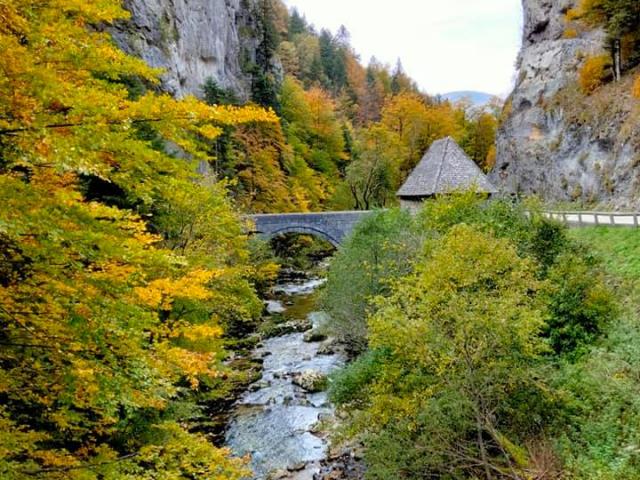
(590, 219)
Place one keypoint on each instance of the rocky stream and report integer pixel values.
(283, 420)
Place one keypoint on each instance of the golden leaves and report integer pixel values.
(636, 87)
(161, 293)
(190, 364)
(593, 73)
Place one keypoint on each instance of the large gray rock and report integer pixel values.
(191, 40)
(554, 141)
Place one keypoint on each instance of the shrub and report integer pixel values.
(570, 33)
(604, 408)
(594, 73)
(533, 234)
(349, 385)
(380, 249)
(579, 302)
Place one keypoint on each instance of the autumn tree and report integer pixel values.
(312, 127)
(418, 124)
(479, 139)
(115, 288)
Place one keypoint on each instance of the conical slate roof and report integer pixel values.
(443, 169)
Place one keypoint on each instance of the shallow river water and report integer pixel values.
(276, 421)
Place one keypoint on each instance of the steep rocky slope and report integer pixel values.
(556, 142)
(192, 40)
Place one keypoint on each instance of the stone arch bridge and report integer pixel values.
(331, 226)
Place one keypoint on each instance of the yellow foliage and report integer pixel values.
(418, 124)
(188, 363)
(161, 293)
(570, 33)
(593, 73)
(490, 161)
(636, 87)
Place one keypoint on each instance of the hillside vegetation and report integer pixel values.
(488, 344)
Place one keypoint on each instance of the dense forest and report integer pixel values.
(348, 134)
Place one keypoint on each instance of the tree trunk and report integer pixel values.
(483, 450)
(354, 193)
(617, 59)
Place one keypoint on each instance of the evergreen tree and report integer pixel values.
(343, 37)
(268, 35)
(333, 61)
(400, 81)
(214, 94)
(264, 90)
(297, 24)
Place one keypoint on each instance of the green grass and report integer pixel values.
(619, 248)
(605, 381)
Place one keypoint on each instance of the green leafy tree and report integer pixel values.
(463, 336)
(380, 249)
(374, 176)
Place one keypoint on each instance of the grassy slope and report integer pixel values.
(619, 248)
(606, 382)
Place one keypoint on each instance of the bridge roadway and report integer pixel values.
(336, 226)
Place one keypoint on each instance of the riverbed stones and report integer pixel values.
(297, 467)
(280, 425)
(274, 307)
(279, 475)
(327, 348)
(343, 465)
(310, 380)
(293, 326)
(314, 336)
(259, 386)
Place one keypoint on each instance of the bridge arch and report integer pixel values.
(331, 226)
(304, 230)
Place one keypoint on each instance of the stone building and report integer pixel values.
(443, 169)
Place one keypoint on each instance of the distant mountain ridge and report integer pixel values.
(477, 98)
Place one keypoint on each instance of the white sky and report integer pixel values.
(445, 45)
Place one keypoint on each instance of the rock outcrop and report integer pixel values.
(556, 142)
(192, 40)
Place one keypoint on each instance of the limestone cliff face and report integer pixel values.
(556, 142)
(191, 40)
